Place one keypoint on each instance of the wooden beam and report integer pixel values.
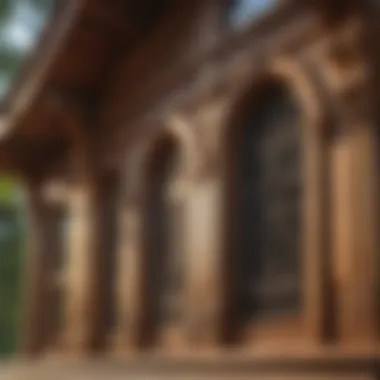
(117, 18)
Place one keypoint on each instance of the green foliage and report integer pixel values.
(8, 191)
(6, 6)
(20, 24)
(11, 259)
(12, 248)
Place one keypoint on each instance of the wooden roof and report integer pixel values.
(73, 61)
(71, 67)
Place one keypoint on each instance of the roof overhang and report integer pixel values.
(84, 38)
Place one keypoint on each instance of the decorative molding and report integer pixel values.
(301, 80)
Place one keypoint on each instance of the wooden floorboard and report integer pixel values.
(238, 365)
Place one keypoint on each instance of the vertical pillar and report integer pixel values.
(203, 262)
(364, 291)
(355, 186)
(109, 215)
(129, 280)
(33, 338)
(82, 316)
(316, 242)
(356, 234)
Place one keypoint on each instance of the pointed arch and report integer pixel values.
(275, 206)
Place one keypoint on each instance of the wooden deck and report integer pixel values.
(238, 366)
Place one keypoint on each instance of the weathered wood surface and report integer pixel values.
(120, 371)
(306, 365)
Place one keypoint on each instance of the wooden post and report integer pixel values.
(364, 292)
(129, 272)
(203, 262)
(356, 240)
(355, 185)
(33, 338)
(315, 237)
(82, 307)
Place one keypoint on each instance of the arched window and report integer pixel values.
(163, 282)
(266, 185)
(241, 12)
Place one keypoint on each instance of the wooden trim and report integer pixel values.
(366, 231)
(355, 179)
(315, 173)
(356, 229)
(134, 301)
(294, 30)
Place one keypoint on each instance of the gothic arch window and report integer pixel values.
(163, 269)
(242, 12)
(266, 190)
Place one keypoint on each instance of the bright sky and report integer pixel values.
(245, 10)
(20, 34)
(24, 26)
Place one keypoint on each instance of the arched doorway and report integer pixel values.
(264, 201)
(162, 281)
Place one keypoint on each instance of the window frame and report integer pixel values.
(311, 324)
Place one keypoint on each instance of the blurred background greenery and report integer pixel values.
(12, 254)
(21, 22)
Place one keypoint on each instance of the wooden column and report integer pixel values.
(365, 290)
(129, 280)
(82, 316)
(356, 229)
(203, 262)
(37, 281)
(316, 242)
(355, 185)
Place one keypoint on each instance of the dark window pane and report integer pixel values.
(268, 207)
(111, 205)
(163, 259)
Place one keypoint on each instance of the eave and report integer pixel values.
(75, 55)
